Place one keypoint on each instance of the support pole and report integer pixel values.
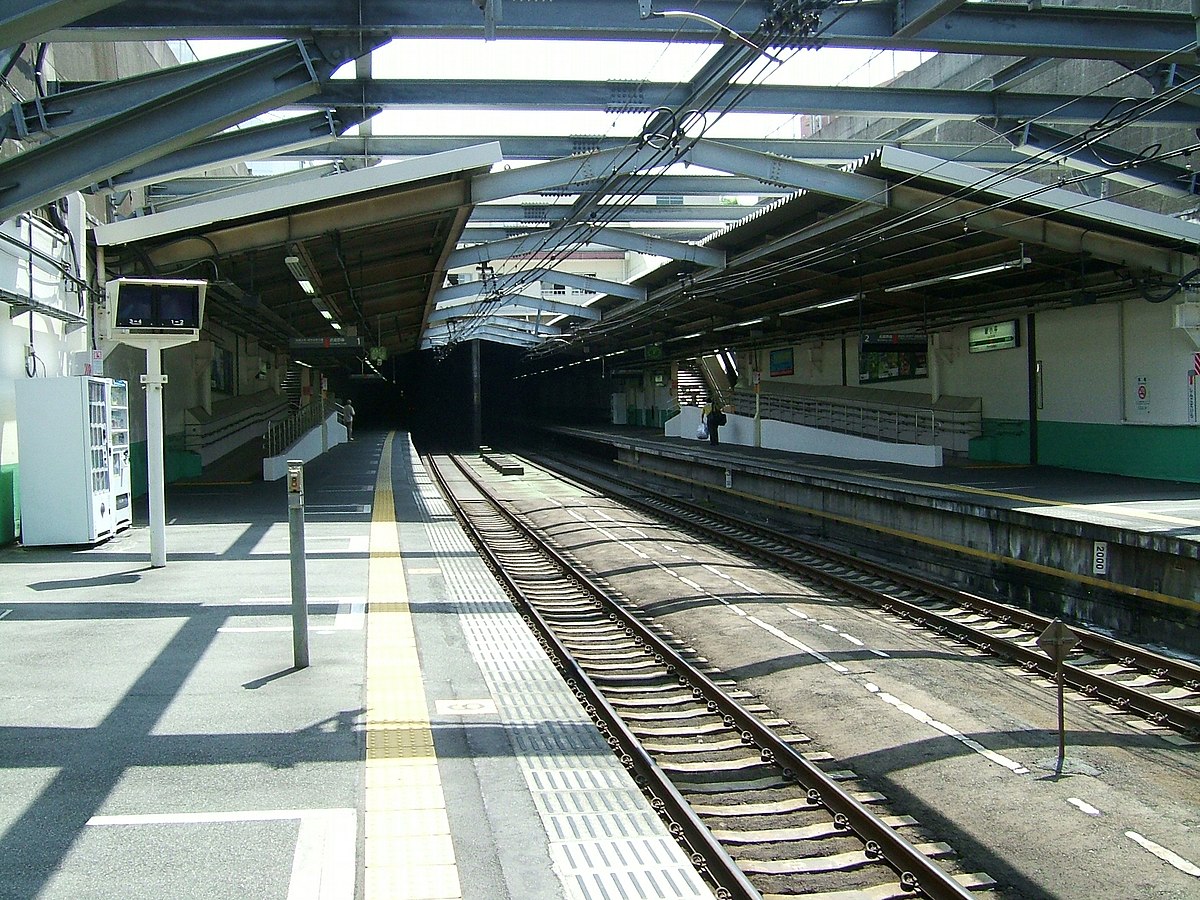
(1062, 726)
(295, 482)
(154, 380)
(476, 396)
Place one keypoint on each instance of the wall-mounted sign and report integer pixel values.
(997, 336)
(782, 363)
(892, 357)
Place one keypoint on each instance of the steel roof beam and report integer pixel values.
(531, 215)
(553, 147)
(255, 142)
(680, 231)
(512, 282)
(24, 20)
(1093, 156)
(789, 172)
(914, 16)
(528, 305)
(546, 242)
(559, 172)
(83, 104)
(1005, 29)
(273, 77)
(766, 99)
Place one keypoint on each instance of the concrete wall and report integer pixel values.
(1115, 393)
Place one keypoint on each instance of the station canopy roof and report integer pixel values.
(778, 206)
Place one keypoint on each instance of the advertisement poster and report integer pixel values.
(782, 363)
(892, 357)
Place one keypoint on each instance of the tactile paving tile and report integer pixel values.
(604, 839)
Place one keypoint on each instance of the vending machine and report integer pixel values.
(73, 459)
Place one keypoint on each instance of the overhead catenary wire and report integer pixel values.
(1132, 111)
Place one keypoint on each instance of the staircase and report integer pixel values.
(691, 388)
(291, 386)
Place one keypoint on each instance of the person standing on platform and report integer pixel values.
(348, 418)
(714, 420)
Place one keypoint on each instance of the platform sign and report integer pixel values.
(1099, 557)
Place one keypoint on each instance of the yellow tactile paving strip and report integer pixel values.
(408, 850)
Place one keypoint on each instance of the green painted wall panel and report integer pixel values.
(1140, 451)
(177, 463)
(1003, 440)
(10, 505)
(1143, 451)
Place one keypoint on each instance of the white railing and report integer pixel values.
(284, 433)
(951, 429)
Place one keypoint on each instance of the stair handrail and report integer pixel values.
(284, 433)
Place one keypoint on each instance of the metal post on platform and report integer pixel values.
(154, 380)
(295, 483)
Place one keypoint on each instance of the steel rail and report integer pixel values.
(684, 824)
(1161, 712)
(917, 873)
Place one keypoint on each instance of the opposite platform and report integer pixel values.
(1122, 553)
(157, 742)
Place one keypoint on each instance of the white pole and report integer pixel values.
(155, 477)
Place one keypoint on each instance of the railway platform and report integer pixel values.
(157, 739)
(1121, 553)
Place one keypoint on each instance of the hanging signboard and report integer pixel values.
(892, 357)
(997, 336)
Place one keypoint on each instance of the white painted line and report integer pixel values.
(1083, 807)
(270, 629)
(880, 653)
(360, 544)
(1164, 854)
(692, 584)
(828, 627)
(4, 613)
(788, 639)
(745, 587)
(998, 758)
(351, 616)
(716, 571)
(324, 863)
(851, 638)
(312, 601)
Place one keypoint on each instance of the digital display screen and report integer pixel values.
(135, 306)
(178, 307)
(157, 306)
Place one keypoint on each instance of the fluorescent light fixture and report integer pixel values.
(301, 362)
(335, 326)
(298, 266)
(687, 337)
(826, 305)
(959, 276)
(740, 324)
(326, 313)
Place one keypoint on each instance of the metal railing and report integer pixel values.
(949, 428)
(284, 433)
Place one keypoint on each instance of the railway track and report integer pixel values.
(760, 817)
(1161, 689)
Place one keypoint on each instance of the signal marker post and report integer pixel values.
(1057, 642)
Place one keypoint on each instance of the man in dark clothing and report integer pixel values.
(714, 420)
